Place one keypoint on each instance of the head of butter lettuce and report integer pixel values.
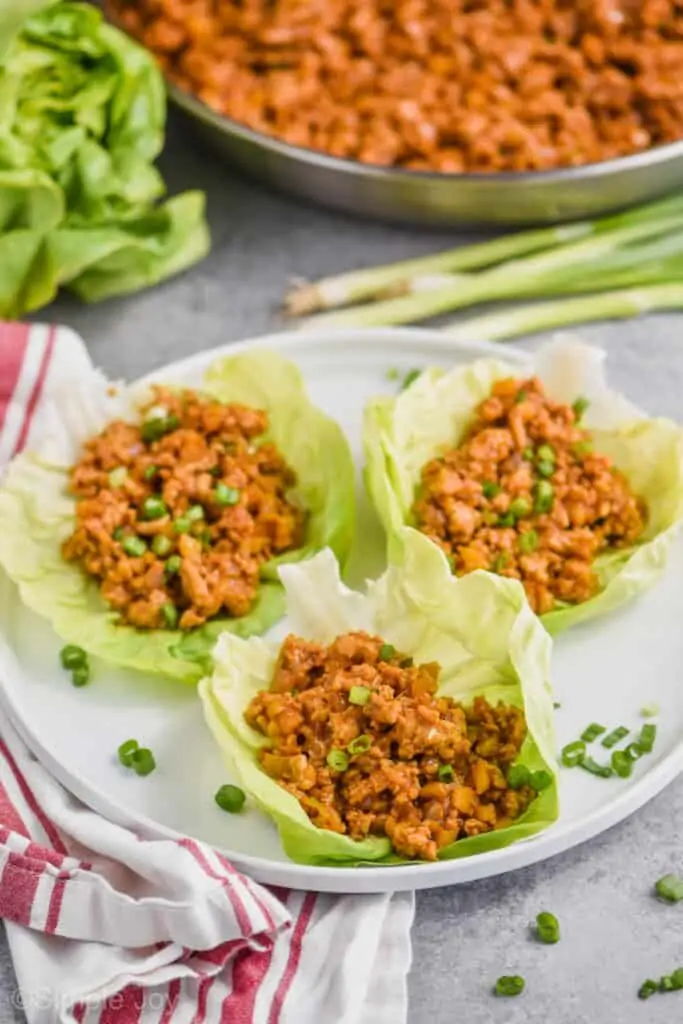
(37, 513)
(479, 629)
(404, 432)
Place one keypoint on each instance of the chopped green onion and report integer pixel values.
(556, 704)
(126, 751)
(154, 507)
(169, 613)
(646, 740)
(409, 378)
(649, 710)
(677, 978)
(545, 469)
(528, 541)
(489, 489)
(360, 745)
(614, 737)
(173, 564)
(143, 762)
(592, 732)
(446, 773)
(507, 520)
(156, 427)
(386, 652)
(604, 771)
(633, 752)
(195, 513)
(183, 524)
(161, 545)
(540, 780)
(666, 983)
(499, 562)
(622, 763)
(573, 753)
(393, 374)
(490, 518)
(547, 928)
(151, 472)
(80, 675)
(118, 533)
(521, 396)
(72, 656)
(579, 406)
(518, 776)
(338, 760)
(527, 454)
(544, 495)
(359, 695)
(133, 545)
(406, 663)
(582, 448)
(509, 985)
(230, 799)
(648, 988)
(670, 888)
(118, 476)
(546, 453)
(225, 495)
(519, 508)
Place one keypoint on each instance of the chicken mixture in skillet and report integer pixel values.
(525, 495)
(175, 515)
(359, 736)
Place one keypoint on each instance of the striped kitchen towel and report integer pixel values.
(108, 928)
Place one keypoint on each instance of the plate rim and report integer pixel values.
(547, 844)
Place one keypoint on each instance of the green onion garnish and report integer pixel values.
(386, 652)
(507, 520)
(406, 663)
(80, 675)
(157, 426)
(224, 495)
(126, 751)
(518, 776)
(646, 740)
(161, 545)
(359, 695)
(173, 564)
(393, 373)
(527, 454)
(582, 448)
(604, 771)
(338, 760)
(650, 710)
(118, 533)
(143, 762)
(666, 983)
(648, 988)
(151, 472)
(489, 489)
(670, 888)
(579, 406)
(169, 613)
(72, 656)
(509, 985)
(573, 753)
(547, 927)
(195, 513)
(592, 732)
(540, 780)
(118, 476)
(411, 376)
(546, 453)
(499, 562)
(230, 799)
(133, 545)
(360, 745)
(154, 508)
(520, 397)
(545, 469)
(633, 751)
(446, 773)
(519, 508)
(183, 524)
(528, 542)
(614, 737)
(544, 495)
(622, 763)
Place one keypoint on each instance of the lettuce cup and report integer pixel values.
(548, 477)
(151, 519)
(410, 722)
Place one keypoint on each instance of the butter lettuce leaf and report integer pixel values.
(479, 628)
(403, 432)
(37, 514)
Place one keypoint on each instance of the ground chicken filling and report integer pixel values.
(358, 735)
(176, 515)
(526, 496)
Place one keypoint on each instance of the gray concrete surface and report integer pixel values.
(614, 934)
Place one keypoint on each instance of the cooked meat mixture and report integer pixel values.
(439, 85)
(359, 737)
(525, 495)
(176, 515)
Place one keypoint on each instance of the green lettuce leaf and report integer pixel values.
(402, 433)
(37, 514)
(82, 116)
(479, 628)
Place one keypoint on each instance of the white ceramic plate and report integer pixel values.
(605, 671)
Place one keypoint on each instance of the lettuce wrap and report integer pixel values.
(479, 628)
(403, 433)
(37, 513)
